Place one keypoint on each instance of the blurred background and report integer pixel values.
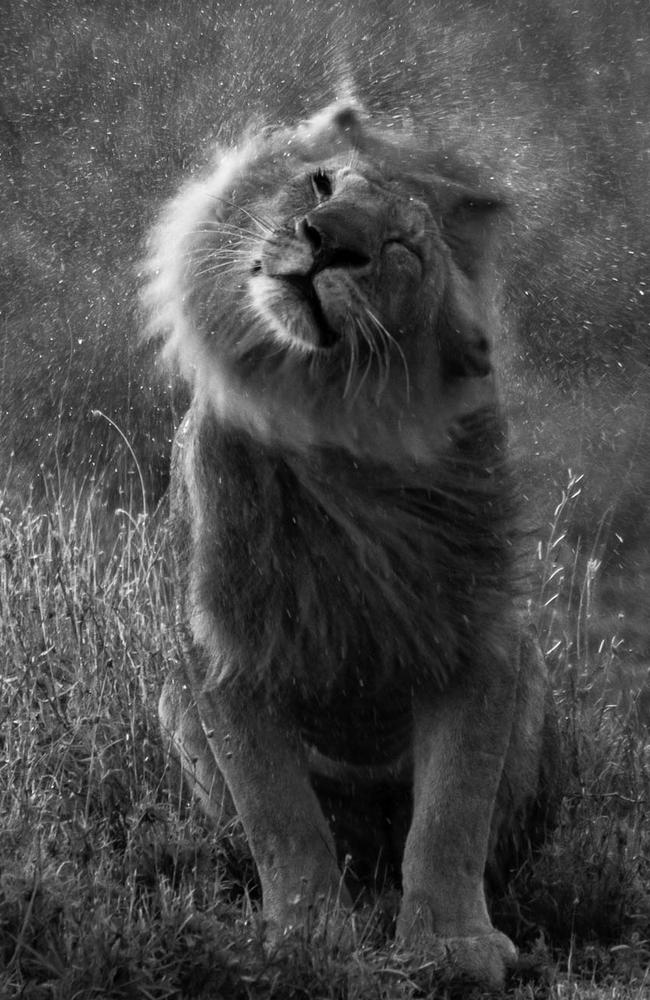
(105, 107)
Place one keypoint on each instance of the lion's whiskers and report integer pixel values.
(373, 352)
(211, 263)
(382, 352)
(391, 343)
(265, 225)
(230, 256)
(228, 229)
(223, 251)
(352, 364)
(244, 234)
(216, 267)
(353, 355)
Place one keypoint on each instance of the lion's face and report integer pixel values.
(328, 271)
(347, 262)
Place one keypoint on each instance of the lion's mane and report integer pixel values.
(365, 499)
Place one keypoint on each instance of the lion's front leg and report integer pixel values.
(265, 769)
(460, 743)
(184, 735)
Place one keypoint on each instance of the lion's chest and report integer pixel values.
(326, 587)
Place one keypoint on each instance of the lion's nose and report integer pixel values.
(338, 237)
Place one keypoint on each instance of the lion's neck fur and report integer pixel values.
(329, 572)
(286, 404)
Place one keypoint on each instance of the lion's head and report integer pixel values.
(331, 283)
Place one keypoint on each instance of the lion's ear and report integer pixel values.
(471, 224)
(339, 126)
(349, 121)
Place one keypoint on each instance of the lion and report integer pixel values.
(359, 684)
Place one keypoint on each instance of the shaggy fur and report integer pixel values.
(345, 556)
(345, 527)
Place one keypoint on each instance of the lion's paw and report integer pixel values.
(337, 935)
(483, 960)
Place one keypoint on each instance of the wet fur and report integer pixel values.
(371, 572)
(345, 518)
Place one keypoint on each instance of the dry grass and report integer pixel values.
(111, 884)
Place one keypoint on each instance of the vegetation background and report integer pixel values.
(110, 884)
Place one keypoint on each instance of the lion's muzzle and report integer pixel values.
(339, 235)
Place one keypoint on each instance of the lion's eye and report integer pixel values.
(322, 184)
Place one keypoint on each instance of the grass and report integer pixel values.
(111, 884)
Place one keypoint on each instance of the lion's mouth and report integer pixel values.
(309, 312)
(303, 285)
